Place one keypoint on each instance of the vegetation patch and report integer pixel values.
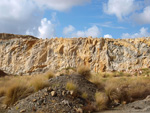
(71, 86)
(84, 71)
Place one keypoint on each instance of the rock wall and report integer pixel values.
(30, 55)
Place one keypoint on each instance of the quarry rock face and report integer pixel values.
(29, 55)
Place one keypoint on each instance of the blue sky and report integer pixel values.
(76, 18)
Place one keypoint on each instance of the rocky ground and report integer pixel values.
(140, 106)
(56, 99)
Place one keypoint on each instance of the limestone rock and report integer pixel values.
(23, 110)
(25, 55)
(53, 93)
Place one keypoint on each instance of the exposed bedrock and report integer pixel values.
(29, 55)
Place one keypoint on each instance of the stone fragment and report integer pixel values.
(23, 110)
(34, 100)
(79, 110)
(49, 89)
(53, 93)
(63, 93)
(46, 94)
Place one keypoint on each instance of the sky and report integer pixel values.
(76, 18)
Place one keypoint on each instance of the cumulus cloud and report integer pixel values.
(70, 31)
(60, 5)
(18, 15)
(108, 36)
(120, 8)
(46, 29)
(144, 17)
(25, 16)
(142, 33)
(129, 9)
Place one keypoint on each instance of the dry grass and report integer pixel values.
(15, 88)
(127, 89)
(84, 95)
(2, 91)
(49, 74)
(115, 89)
(16, 92)
(145, 72)
(38, 82)
(101, 101)
(71, 86)
(98, 80)
(121, 87)
(114, 74)
(84, 71)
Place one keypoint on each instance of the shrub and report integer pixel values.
(84, 95)
(98, 81)
(38, 83)
(71, 86)
(101, 101)
(2, 91)
(116, 90)
(84, 71)
(139, 88)
(16, 92)
(49, 74)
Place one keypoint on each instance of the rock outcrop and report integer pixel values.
(30, 55)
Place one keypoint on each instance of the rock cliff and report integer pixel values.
(30, 55)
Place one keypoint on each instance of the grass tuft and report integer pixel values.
(84, 95)
(16, 92)
(49, 74)
(39, 83)
(2, 91)
(101, 101)
(71, 86)
(84, 71)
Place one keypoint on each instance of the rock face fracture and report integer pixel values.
(29, 55)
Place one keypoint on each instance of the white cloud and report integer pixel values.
(70, 31)
(46, 29)
(108, 36)
(129, 9)
(24, 16)
(142, 33)
(144, 17)
(120, 8)
(16, 9)
(60, 5)
(16, 16)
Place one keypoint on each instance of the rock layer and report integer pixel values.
(30, 55)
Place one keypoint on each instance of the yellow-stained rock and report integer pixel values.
(27, 54)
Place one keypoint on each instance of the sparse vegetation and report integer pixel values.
(84, 71)
(71, 86)
(2, 91)
(121, 88)
(17, 87)
(113, 88)
(49, 74)
(101, 101)
(114, 74)
(16, 92)
(38, 83)
(84, 95)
